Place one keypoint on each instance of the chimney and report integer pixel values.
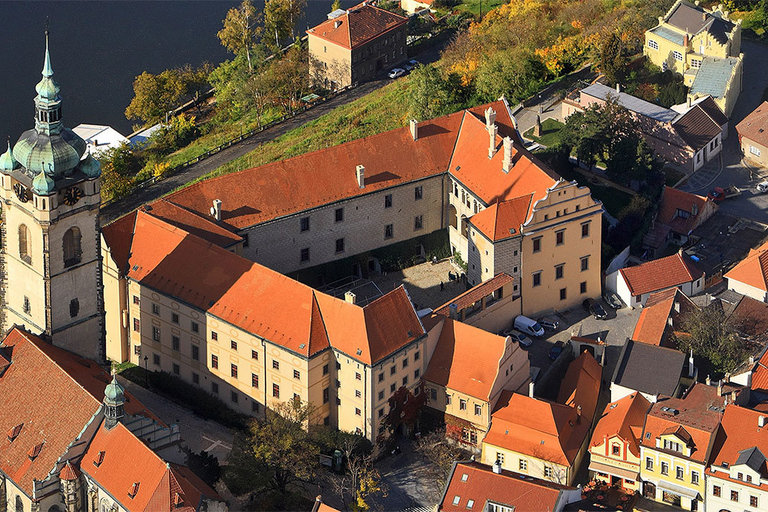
(216, 209)
(690, 364)
(727, 377)
(688, 102)
(708, 381)
(414, 129)
(720, 387)
(490, 117)
(751, 359)
(350, 297)
(360, 170)
(497, 467)
(453, 311)
(507, 163)
(493, 130)
(685, 41)
(618, 87)
(531, 387)
(761, 421)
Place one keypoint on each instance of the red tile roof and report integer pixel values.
(755, 125)
(357, 26)
(675, 204)
(760, 375)
(750, 317)
(581, 385)
(475, 293)
(653, 323)
(481, 484)
(503, 219)
(739, 431)
(314, 179)
(660, 274)
(455, 362)
(752, 270)
(147, 483)
(205, 227)
(698, 412)
(118, 236)
(624, 419)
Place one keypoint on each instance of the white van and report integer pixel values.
(528, 326)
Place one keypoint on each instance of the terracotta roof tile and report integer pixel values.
(118, 235)
(660, 274)
(760, 375)
(391, 323)
(623, 418)
(752, 270)
(475, 293)
(454, 363)
(510, 489)
(739, 431)
(653, 324)
(755, 125)
(581, 384)
(357, 26)
(694, 413)
(69, 472)
(193, 223)
(676, 204)
(503, 219)
(750, 317)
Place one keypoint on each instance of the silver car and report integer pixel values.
(519, 337)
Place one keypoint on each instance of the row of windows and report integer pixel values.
(560, 236)
(717, 491)
(73, 253)
(679, 470)
(389, 232)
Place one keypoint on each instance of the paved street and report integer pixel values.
(198, 434)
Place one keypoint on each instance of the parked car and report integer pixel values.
(519, 337)
(549, 325)
(762, 187)
(594, 307)
(612, 300)
(411, 64)
(528, 326)
(396, 72)
(556, 350)
(719, 194)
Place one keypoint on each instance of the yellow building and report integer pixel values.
(678, 437)
(614, 452)
(545, 439)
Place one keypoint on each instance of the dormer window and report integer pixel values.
(99, 458)
(35, 451)
(134, 490)
(14, 432)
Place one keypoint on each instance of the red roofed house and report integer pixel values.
(634, 285)
(737, 477)
(355, 45)
(614, 452)
(468, 370)
(52, 440)
(676, 446)
(475, 486)
(661, 316)
(753, 135)
(545, 439)
(750, 276)
(679, 214)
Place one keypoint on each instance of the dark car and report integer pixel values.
(612, 300)
(594, 307)
(556, 350)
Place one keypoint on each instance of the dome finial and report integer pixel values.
(47, 69)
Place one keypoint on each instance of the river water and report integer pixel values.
(98, 47)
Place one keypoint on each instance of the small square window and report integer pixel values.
(388, 201)
(405, 362)
(358, 376)
(537, 244)
(478, 410)
(416, 373)
(585, 263)
(195, 327)
(195, 352)
(214, 361)
(381, 395)
(523, 465)
(358, 412)
(275, 364)
(389, 231)
(326, 369)
(304, 255)
(418, 193)
(135, 299)
(137, 350)
(470, 504)
(358, 393)
(392, 388)
(339, 245)
(175, 318)
(583, 287)
(155, 309)
(585, 230)
(456, 500)
(156, 333)
(304, 224)
(559, 237)
(563, 293)
(254, 355)
(233, 344)
(339, 215)
(214, 335)
(416, 356)
(392, 369)
(405, 380)
(296, 374)
(156, 359)
(559, 272)
(537, 279)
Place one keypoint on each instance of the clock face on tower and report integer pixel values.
(21, 192)
(72, 195)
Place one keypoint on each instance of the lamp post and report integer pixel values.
(146, 372)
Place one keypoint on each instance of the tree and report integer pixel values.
(155, 95)
(277, 454)
(335, 5)
(513, 74)
(613, 59)
(404, 410)
(118, 166)
(278, 21)
(709, 335)
(440, 453)
(286, 79)
(360, 481)
(241, 30)
(430, 95)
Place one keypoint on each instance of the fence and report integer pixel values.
(154, 179)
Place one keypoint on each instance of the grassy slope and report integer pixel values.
(379, 111)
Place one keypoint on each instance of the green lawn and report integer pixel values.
(550, 133)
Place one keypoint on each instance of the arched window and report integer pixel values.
(72, 251)
(25, 251)
(19, 504)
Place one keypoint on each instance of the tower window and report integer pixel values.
(25, 252)
(27, 307)
(74, 307)
(72, 251)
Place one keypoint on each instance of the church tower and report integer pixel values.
(51, 265)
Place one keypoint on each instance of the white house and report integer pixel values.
(99, 137)
(750, 276)
(635, 284)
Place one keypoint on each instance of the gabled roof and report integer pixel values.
(193, 223)
(503, 219)
(660, 274)
(631, 103)
(648, 368)
(698, 413)
(581, 384)
(624, 419)
(357, 26)
(466, 359)
(653, 323)
(741, 440)
(118, 236)
(755, 125)
(475, 293)
(760, 375)
(752, 270)
(696, 127)
(137, 477)
(478, 482)
(692, 19)
(675, 204)
(710, 107)
(750, 317)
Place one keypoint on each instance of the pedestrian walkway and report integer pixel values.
(700, 181)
